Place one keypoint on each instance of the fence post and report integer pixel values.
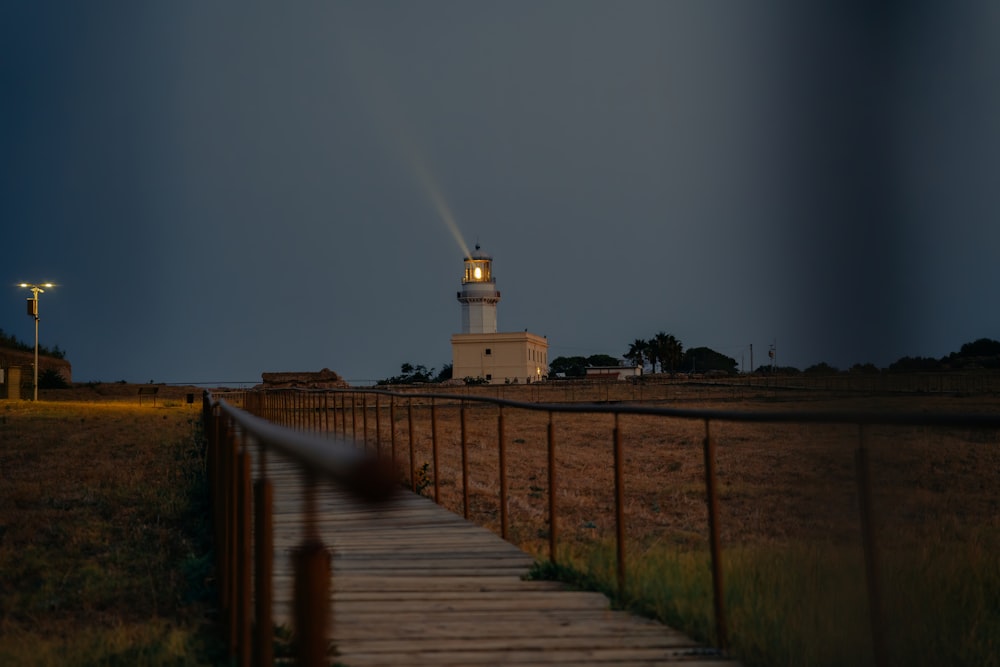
(244, 561)
(354, 417)
(413, 469)
(326, 412)
(264, 559)
(434, 451)
(334, 411)
(619, 507)
(713, 539)
(312, 587)
(552, 490)
(364, 421)
(378, 426)
(315, 417)
(231, 521)
(212, 465)
(503, 476)
(343, 416)
(392, 430)
(465, 465)
(302, 397)
(871, 553)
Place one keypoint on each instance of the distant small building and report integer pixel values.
(324, 379)
(479, 352)
(616, 372)
(17, 374)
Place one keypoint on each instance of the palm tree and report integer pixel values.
(669, 350)
(653, 355)
(637, 351)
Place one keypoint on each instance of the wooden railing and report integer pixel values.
(370, 418)
(242, 520)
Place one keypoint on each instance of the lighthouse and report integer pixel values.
(481, 354)
(479, 295)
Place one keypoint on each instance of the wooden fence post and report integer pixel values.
(871, 553)
(312, 587)
(552, 491)
(264, 570)
(244, 561)
(713, 539)
(619, 507)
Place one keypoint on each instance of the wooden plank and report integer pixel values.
(522, 598)
(508, 625)
(414, 584)
(655, 656)
(428, 559)
(551, 603)
(515, 600)
(443, 583)
(506, 644)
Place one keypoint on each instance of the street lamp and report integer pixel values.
(33, 312)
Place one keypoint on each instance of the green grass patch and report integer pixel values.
(807, 604)
(153, 643)
(104, 542)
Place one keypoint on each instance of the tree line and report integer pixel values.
(417, 374)
(12, 342)
(662, 352)
(666, 353)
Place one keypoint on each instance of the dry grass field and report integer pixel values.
(103, 543)
(777, 481)
(102, 535)
(790, 528)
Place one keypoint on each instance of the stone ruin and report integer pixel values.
(324, 379)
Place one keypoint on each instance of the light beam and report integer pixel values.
(370, 76)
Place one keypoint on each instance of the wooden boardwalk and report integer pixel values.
(414, 584)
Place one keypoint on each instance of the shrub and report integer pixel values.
(52, 379)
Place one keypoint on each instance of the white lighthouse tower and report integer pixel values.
(479, 295)
(481, 354)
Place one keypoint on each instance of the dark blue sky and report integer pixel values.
(222, 189)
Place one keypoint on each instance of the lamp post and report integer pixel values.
(33, 311)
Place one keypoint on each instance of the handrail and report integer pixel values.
(244, 550)
(340, 462)
(312, 409)
(700, 414)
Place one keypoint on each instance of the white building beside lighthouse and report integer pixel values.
(479, 352)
